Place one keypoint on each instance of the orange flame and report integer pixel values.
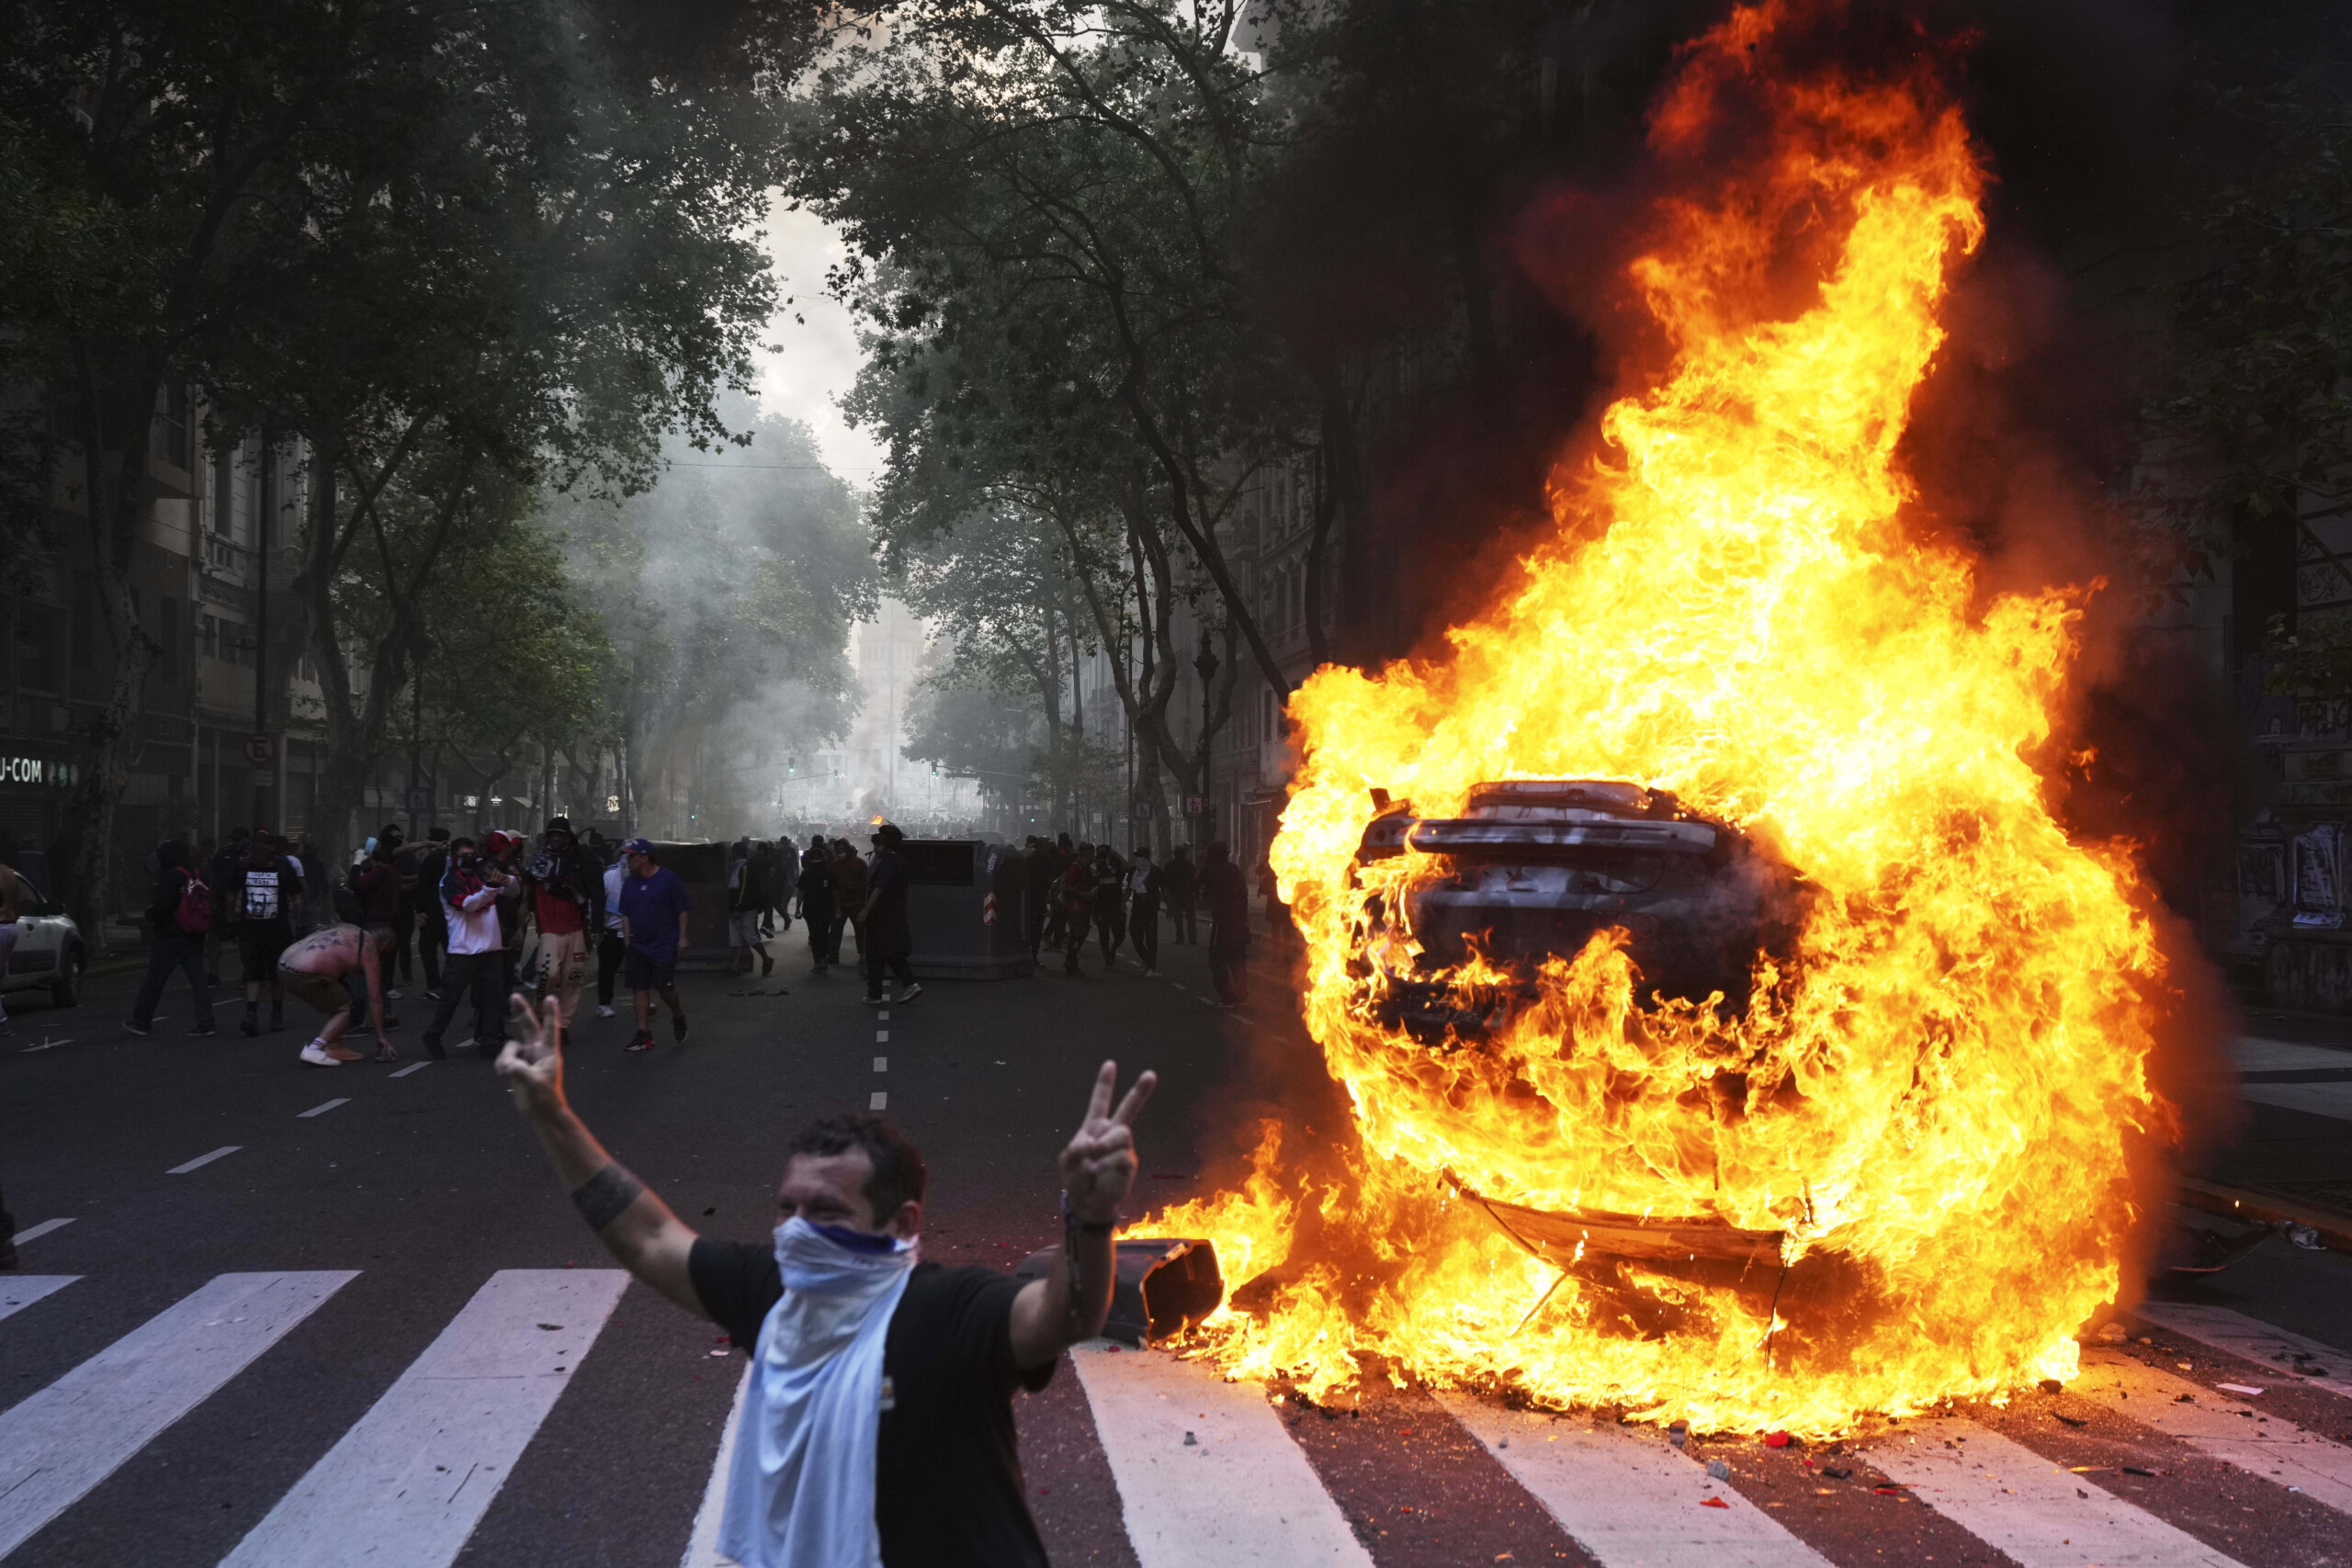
(1932, 1098)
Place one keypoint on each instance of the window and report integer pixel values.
(171, 425)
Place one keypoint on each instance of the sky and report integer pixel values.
(816, 353)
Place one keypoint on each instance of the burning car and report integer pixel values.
(1532, 869)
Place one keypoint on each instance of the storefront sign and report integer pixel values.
(36, 771)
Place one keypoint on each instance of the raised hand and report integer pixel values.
(1099, 1164)
(532, 1063)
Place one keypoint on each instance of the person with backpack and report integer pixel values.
(179, 917)
(262, 892)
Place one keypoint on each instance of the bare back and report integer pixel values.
(333, 952)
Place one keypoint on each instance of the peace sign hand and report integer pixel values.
(1099, 1166)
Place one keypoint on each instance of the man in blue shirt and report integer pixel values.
(653, 922)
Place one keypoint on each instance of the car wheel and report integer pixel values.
(67, 990)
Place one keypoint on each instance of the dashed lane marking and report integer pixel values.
(322, 1110)
(46, 1044)
(878, 1100)
(881, 1037)
(39, 1230)
(883, 1016)
(411, 1068)
(58, 1444)
(200, 1160)
(881, 1064)
(22, 1291)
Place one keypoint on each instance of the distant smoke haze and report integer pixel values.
(814, 340)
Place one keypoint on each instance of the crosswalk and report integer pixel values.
(1211, 1474)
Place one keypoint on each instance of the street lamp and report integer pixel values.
(1206, 662)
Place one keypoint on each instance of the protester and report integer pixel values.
(747, 900)
(816, 901)
(884, 939)
(504, 850)
(1076, 903)
(178, 917)
(469, 902)
(223, 868)
(322, 970)
(425, 907)
(1110, 904)
(654, 906)
(1227, 896)
(1058, 859)
(16, 897)
(567, 900)
(1278, 926)
(849, 875)
(837, 1306)
(408, 861)
(263, 894)
(1181, 882)
(1144, 888)
(611, 945)
(1037, 886)
(379, 886)
(784, 882)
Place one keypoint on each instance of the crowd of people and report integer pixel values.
(1078, 890)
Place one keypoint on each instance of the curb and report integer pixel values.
(2239, 1204)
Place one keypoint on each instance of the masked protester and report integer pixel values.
(565, 890)
(1110, 909)
(884, 939)
(1227, 896)
(477, 966)
(839, 1305)
(1076, 890)
(1143, 889)
(816, 901)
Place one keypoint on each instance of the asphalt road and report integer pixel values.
(423, 1186)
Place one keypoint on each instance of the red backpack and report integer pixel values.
(194, 911)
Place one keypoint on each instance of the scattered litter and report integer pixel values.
(1717, 1470)
(1678, 1438)
(2145, 1340)
(2183, 1366)
(1712, 1503)
(2070, 1420)
(1504, 1444)
(719, 1353)
(2051, 1385)
(1110, 1350)
(2080, 1493)
(2135, 1470)
(550, 1327)
(1837, 1472)
(1888, 1491)
(2184, 1399)
(2236, 1388)
(2088, 1469)
(1190, 1441)
(2112, 1334)
(2304, 1237)
(1825, 1491)
(1776, 1440)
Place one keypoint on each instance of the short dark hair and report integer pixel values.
(898, 1176)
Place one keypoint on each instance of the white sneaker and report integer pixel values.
(315, 1054)
(1151, 974)
(604, 1012)
(392, 993)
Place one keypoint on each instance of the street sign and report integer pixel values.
(1193, 805)
(417, 800)
(1141, 811)
(261, 750)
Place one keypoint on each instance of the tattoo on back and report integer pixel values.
(603, 1196)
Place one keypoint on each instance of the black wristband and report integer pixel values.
(605, 1196)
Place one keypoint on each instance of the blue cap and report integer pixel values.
(637, 847)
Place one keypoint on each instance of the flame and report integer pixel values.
(1933, 1095)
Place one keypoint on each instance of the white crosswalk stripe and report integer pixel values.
(1238, 1494)
(415, 1474)
(2255, 1340)
(701, 1547)
(58, 1443)
(2233, 1431)
(20, 1290)
(1627, 1495)
(2037, 1514)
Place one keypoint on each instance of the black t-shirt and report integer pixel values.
(947, 1474)
(887, 884)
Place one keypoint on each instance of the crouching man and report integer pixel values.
(877, 1423)
(318, 970)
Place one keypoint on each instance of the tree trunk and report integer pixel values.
(114, 494)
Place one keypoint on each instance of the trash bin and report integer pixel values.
(964, 909)
(703, 868)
